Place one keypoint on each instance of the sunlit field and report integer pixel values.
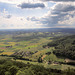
(34, 48)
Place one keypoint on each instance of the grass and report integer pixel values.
(24, 45)
(42, 52)
(5, 57)
(6, 53)
(32, 46)
(53, 57)
(67, 66)
(57, 66)
(53, 66)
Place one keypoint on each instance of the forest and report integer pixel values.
(64, 47)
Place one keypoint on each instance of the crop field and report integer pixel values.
(29, 48)
(6, 53)
(26, 45)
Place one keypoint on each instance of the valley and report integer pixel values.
(38, 47)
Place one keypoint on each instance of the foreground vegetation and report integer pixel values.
(8, 67)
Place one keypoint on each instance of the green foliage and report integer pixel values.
(19, 68)
(13, 70)
(40, 60)
(65, 47)
(53, 57)
(20, 73)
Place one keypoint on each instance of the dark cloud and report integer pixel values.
(63, 8)
(31, 5)
(60, 0)
(58, 13)
(61, 12)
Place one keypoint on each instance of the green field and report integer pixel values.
(28, 47)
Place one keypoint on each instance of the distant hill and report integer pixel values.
(17, 31)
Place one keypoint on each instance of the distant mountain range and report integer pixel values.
(64, 30)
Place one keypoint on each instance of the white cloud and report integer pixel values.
(60, 15)
(70, 21)
(15, 22)
(5, 14)
(13, 1)
(20, 1)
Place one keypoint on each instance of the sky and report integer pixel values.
(24, 14)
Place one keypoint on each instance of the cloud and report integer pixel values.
(60, 0)
(13, 1)
(5, 14)
(31, 5)
(60, 15)
(15, 22)
(32, 18)
(8, 16)
(60, 7)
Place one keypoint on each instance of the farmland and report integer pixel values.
(35, 48)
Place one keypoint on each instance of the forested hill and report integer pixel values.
(64, 47)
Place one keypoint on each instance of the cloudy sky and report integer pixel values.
(21, 14)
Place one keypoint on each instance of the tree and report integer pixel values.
(13, 70)
(40, 60)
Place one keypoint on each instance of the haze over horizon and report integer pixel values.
(24, 14)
